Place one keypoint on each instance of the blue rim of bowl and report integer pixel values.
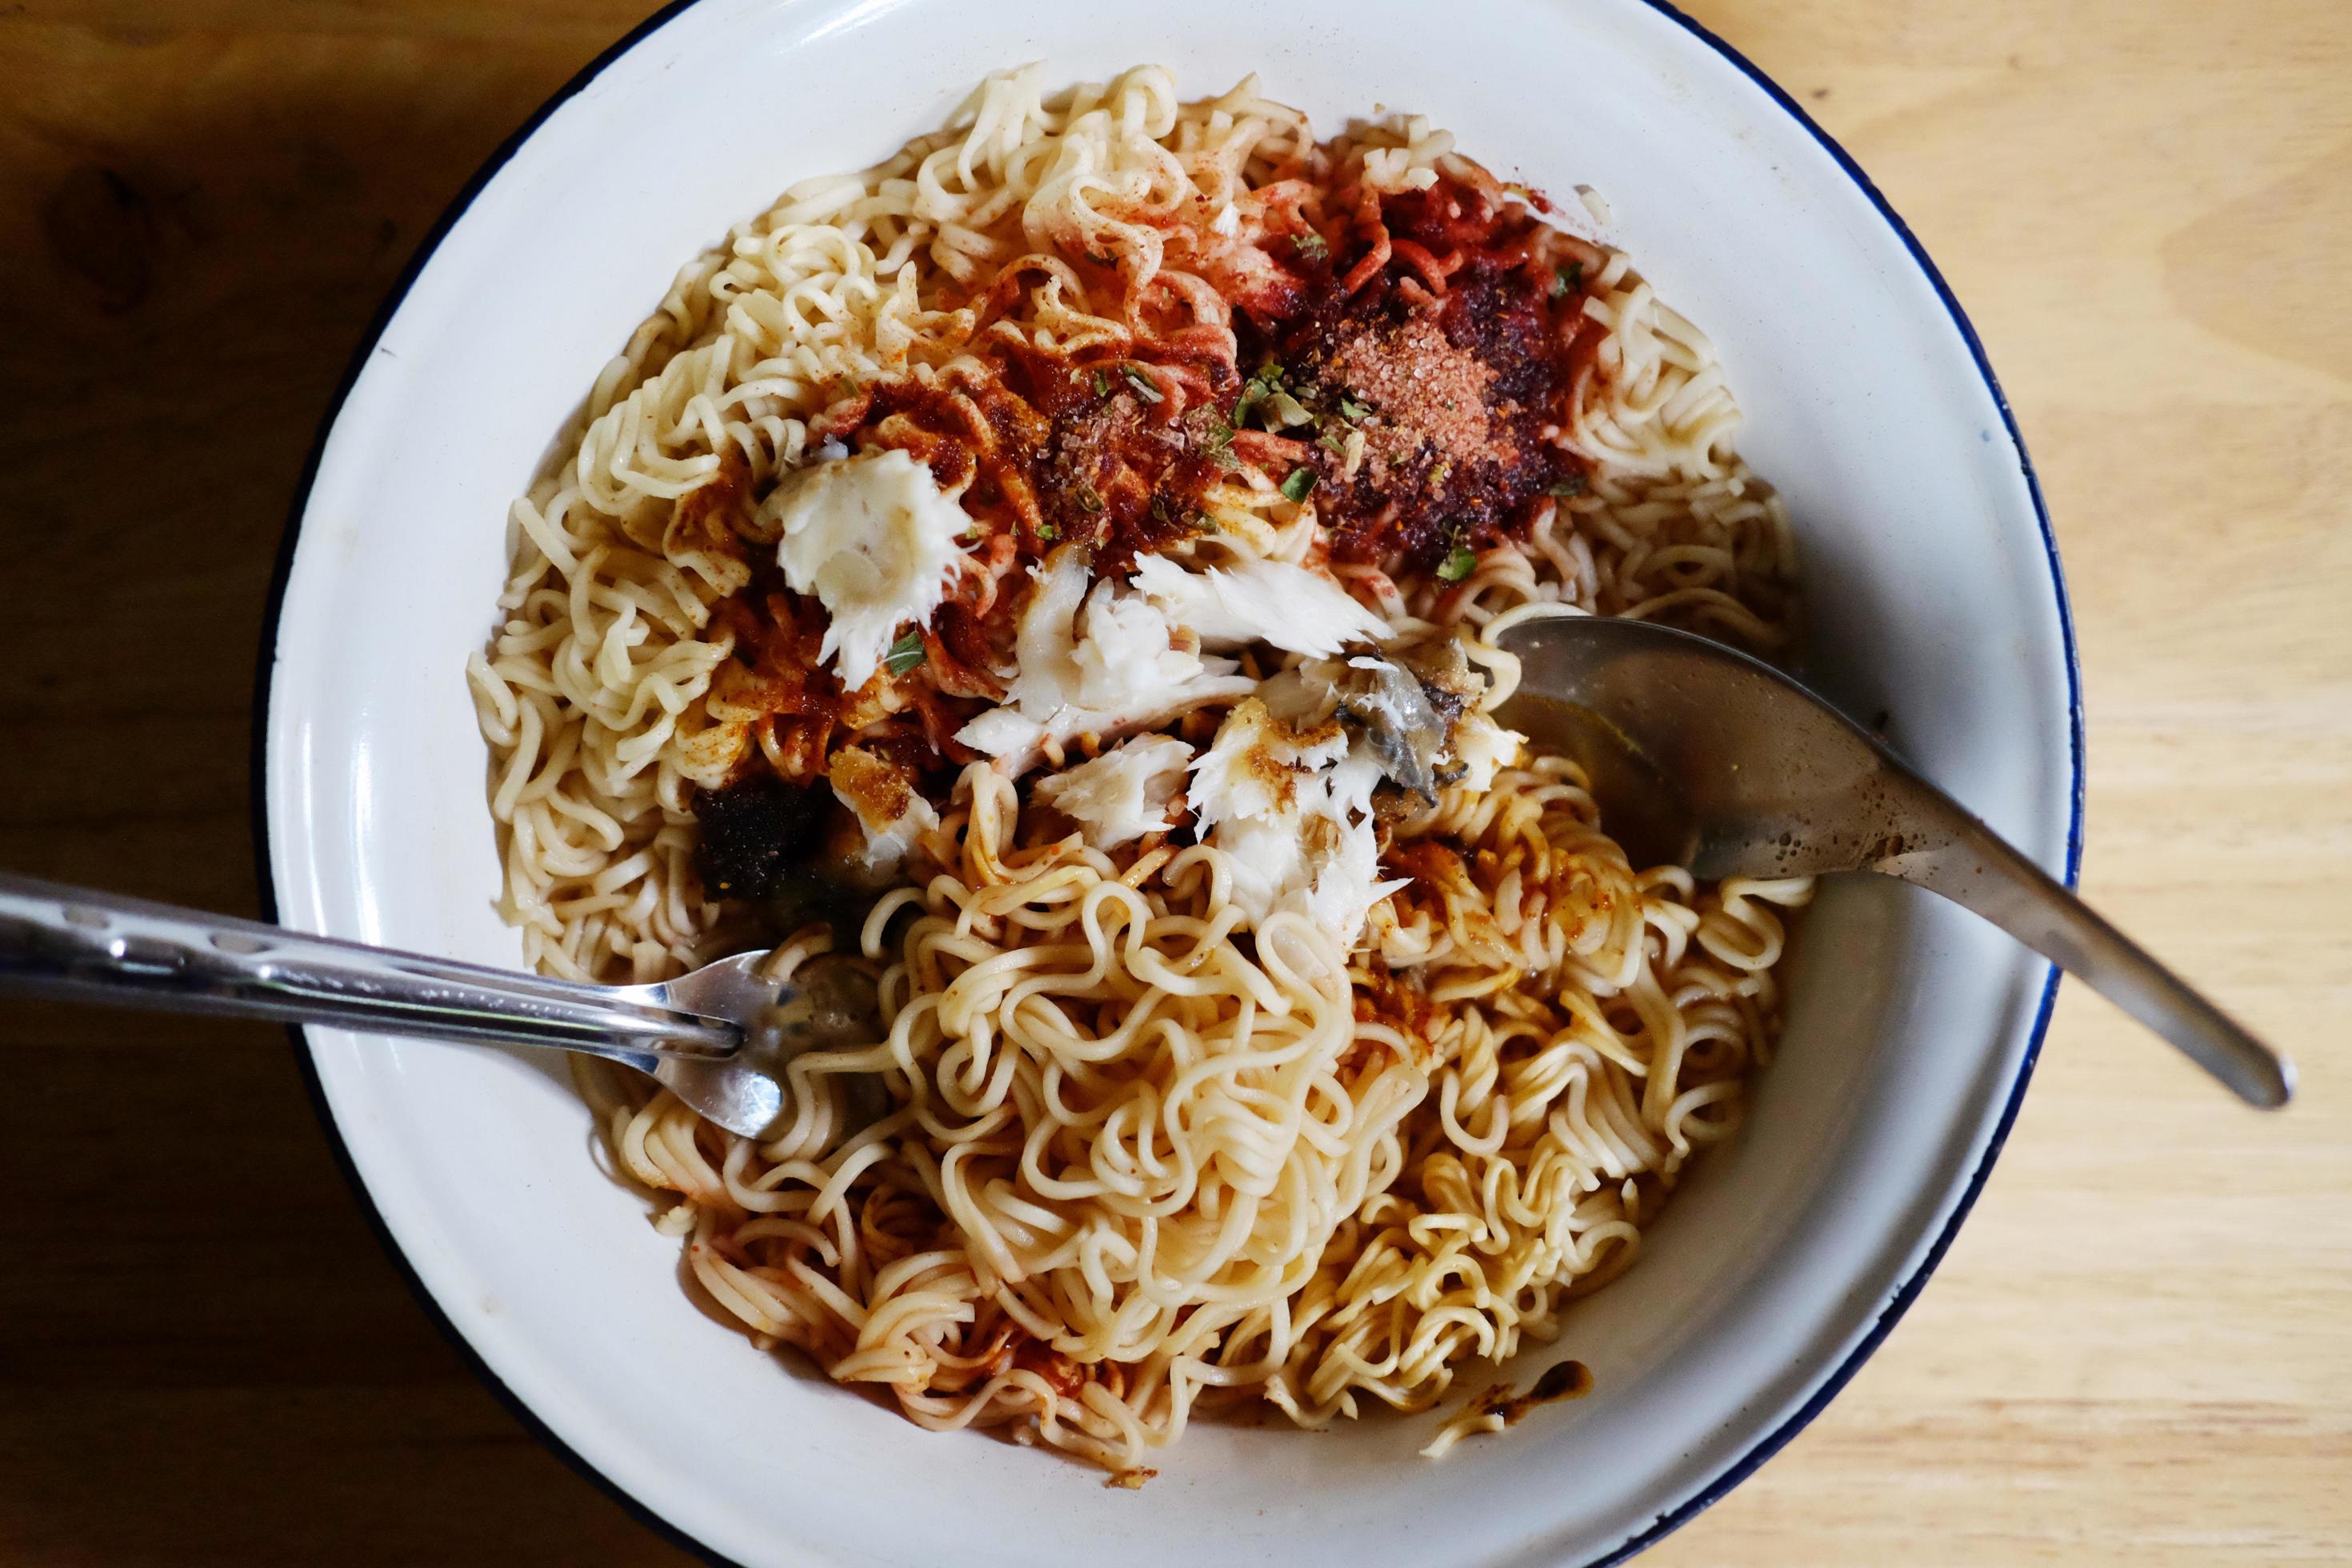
(1665, 1523)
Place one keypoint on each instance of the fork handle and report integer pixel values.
(82, 945)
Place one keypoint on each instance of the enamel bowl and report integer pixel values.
(1934, 595)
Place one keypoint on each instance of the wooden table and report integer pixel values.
(2137, 1352)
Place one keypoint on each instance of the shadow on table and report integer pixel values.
(206, 1357)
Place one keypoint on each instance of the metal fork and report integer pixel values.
(718, 1039)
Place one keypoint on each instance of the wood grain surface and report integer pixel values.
(2138, 1351)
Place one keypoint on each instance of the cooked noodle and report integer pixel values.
(1144, 1152)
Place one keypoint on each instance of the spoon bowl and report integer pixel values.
(1699, 754)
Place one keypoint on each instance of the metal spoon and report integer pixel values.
(1701, 756)
(718, 1039)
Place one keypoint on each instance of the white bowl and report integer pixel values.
(1934, 595)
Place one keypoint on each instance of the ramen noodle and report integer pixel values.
(1056, 576)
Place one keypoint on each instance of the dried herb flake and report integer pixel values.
(1145, 387)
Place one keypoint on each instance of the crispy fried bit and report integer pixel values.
(752, 834)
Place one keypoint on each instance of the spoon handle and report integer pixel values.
(82, 945)
(1979, 871)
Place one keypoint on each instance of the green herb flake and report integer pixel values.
(1297, 486)
(1214, 433)
(1048, 532)
(1311, 244)
(1458, 563)
(1288, 411)
(1145, 387)
(1086, 498)
(1568, 279)
(1572, 486)
(1261, 388)
(1350, 409)
(1102, 385)
(906, 653)
(1437, 475)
